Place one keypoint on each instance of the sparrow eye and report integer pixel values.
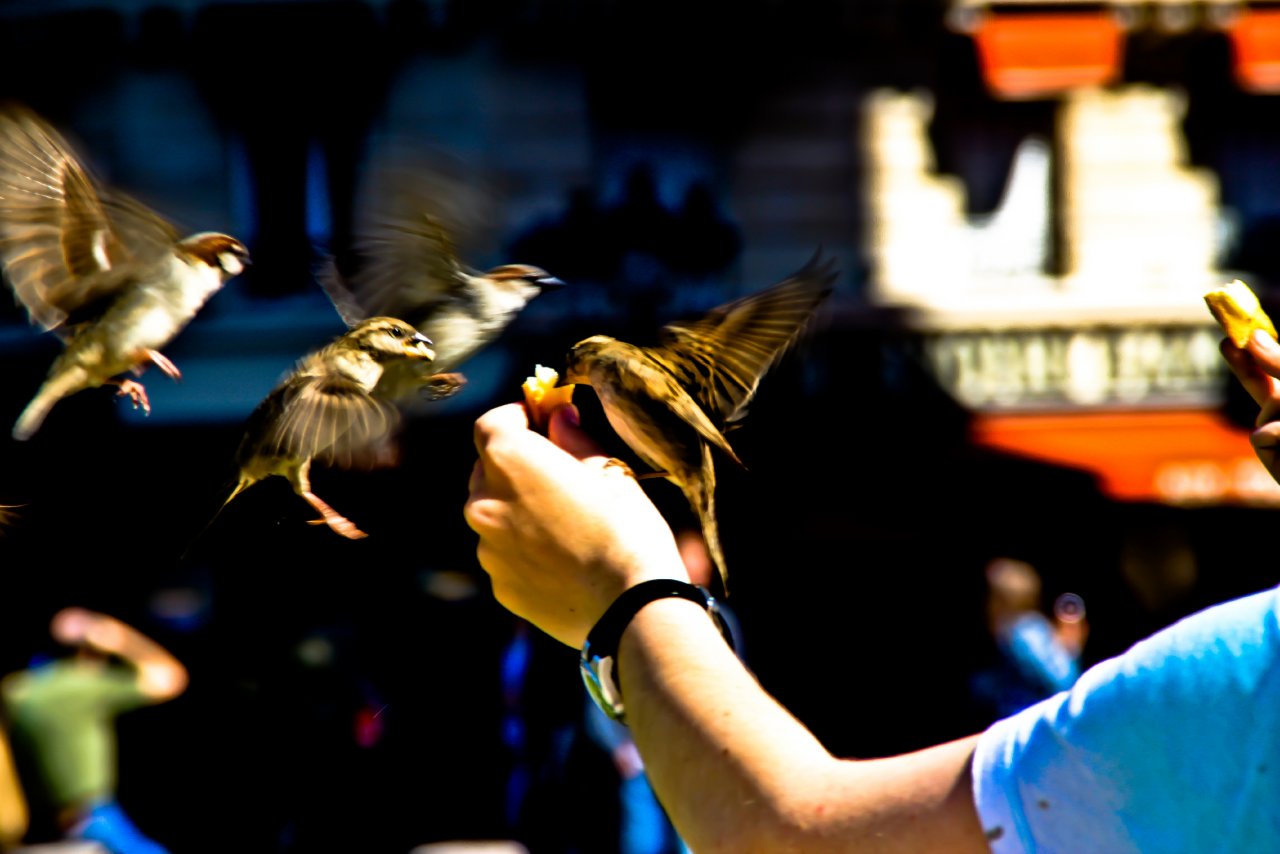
(396, 332)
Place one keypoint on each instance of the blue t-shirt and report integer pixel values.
(1173, 746)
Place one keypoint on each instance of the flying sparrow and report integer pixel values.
(110, 277)
(408, 266)
(329, 408)
(673, 403)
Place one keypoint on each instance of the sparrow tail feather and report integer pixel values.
(244, 483)
(703, 498)
(54, 389)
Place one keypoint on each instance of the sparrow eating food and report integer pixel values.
(111, 278)
(329, 409)
(673, 403)
(409, 267)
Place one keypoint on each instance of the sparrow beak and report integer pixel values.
(419, 347)
(549, 283)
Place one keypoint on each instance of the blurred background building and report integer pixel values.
(1027, 202)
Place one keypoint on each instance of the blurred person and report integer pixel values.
(1036, 656)
(1165, 747)
(62, 715)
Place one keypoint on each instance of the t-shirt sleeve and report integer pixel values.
(117, 689)
(1171, 746)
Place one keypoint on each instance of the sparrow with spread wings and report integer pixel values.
(111, 278)
(330, 409)
(408, 266)
(673, 403)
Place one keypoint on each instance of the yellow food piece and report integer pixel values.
(1237, 310)
(542, 395)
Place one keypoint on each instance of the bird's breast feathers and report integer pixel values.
(194, 282)
(356, 365)
(159, 305)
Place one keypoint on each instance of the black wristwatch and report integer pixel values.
(599, 659)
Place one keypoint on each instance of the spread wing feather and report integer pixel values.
(722, 357)
(413, 217)
(62, 235)
(330, 419)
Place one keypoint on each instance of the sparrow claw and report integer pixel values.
(442, 386)
(341, 525)
(137, 393)
(335, 520)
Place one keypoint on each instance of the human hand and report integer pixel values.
(81, 627)
(1257, 366)
(70, 626)
(562, 534)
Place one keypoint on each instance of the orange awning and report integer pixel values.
(1255, 39)
(1034, 55)
(1181, 457)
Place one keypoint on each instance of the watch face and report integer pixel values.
(597, 675)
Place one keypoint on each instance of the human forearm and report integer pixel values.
(738, 773)
(160, 674)
(562, 534)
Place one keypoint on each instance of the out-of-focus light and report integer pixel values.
(316, 651)
(184, 608)
(1180, 458)
(1069, 608)
(368, 725)
(448, 585)
(1136, 213)
(1036, 55)
(1255, 41)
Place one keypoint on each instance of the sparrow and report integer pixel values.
(329, 408)
(111, 278)
(408, 266)
(672, 404)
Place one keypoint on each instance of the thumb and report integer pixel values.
(563, 430)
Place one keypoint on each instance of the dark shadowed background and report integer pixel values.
(660, 158)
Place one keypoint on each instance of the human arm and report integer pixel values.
(160, 675)
(562, 535)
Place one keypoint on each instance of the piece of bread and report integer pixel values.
(1237, 310)
(542, 395)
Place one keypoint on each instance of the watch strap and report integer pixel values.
(599, 658)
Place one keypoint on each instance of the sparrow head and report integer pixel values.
(217, 250)
(526, 280)
(584, 355)
(387, 338)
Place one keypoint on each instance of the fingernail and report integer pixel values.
(1263, 339)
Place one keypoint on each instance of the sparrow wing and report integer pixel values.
(332, 419)
(672, 391)
(61, 241)
(413, 220)
(721, 358)
(335, 286)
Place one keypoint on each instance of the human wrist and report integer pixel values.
(599, 659)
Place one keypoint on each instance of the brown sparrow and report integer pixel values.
(329, 408)
(409, 267)
(672, 403)
(110, 277)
